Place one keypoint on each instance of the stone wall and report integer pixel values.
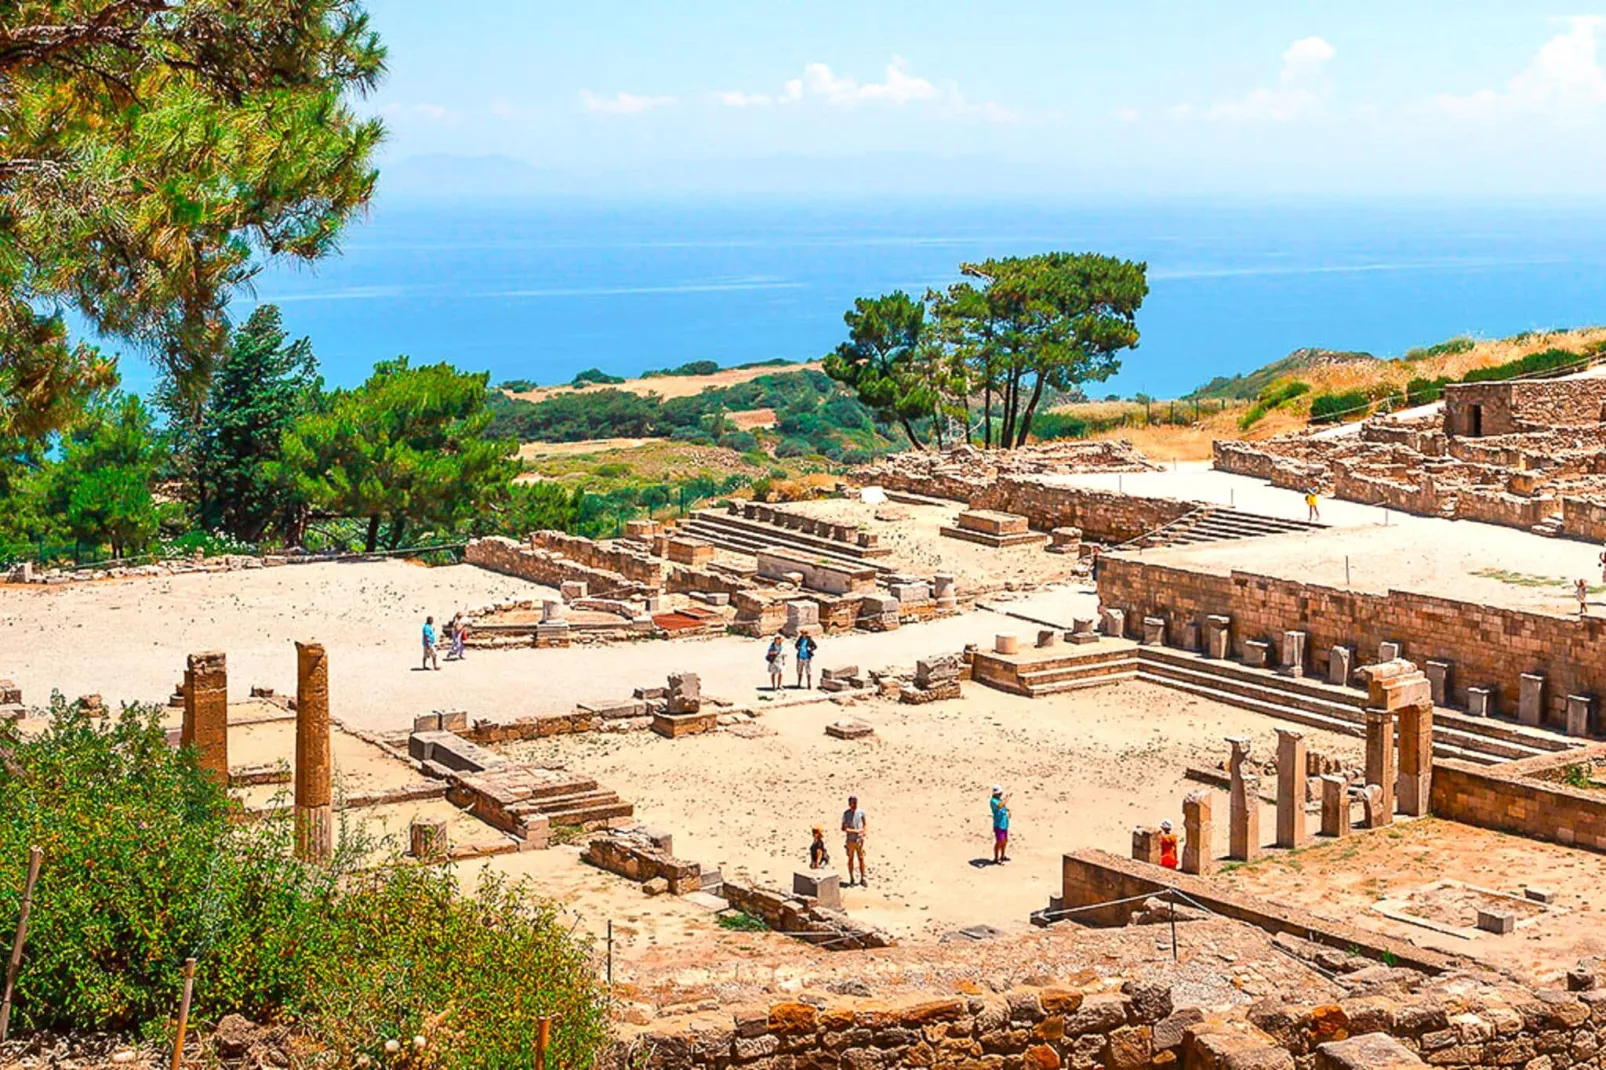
(802, 917)
(500, 554)
(1584, 518)
(1092, 877)
(1516, 405)
(626, 560)
(1511, 798)
(1399, 1024)
(1104, 516)
(1488, 646)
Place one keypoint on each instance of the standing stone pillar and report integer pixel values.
(1196, 826)
(942, 589)
(206, 713)
(1290, 788)
(1293, 654)
(1438, 673)
(1580, 714)
(314, 816)
(1531, 699)
(1416, 759)
(1217, 636)
(1146, 845)
(1380, 760)
(1243, 805)
(1335, 805)
(1340, 665)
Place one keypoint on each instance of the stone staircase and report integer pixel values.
(1213, 523)
(1307, 701)
(586, 809)
(744, 536)
(1297, 700)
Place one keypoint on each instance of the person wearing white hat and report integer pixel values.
(1000, 806)
(1168, 846)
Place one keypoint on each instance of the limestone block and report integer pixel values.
(685, 692)
(1480, 701)
(1196, 826)
(1217, 636)
(1335, 806)
(1499, 922)
(1380, 759)
(1257, 653)
(819, 884)
(1580, 714)
(1146, 845)
(1416, 759)
(943, 590)
(552, 611)
(1438, 673)
(1154, 631)
(1081, 632)
(1388, 650)
(1340, 665)
(802, 615)
(1006, 643)
(1369, 1051)
(1372, 807)
(1293, 654)
(1115, 623)
(206, 713)
(573, 589)
(1531, 699)
(427, 839)
(1290, 788)
(1190, 637)
(1047, 637)
(1243, 804)
(907, 593)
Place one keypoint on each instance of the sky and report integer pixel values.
(1240, 98)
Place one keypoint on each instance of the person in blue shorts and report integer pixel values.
(1000, 807)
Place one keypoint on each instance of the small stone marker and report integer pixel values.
(1438, 673)
(427, 839)
(1196, 825)
(1580, 714)
(1372, 805)
(1335, 806)
(1217, 636)
(1293, 654)
(1006, 643)
(1146, 845)
(1499, 922)
(1388, 650)
(848, 730)
(1539, 895)
(1257, 653)
(1115, 623)
(1531, 699)
(1340, 665)
(1081, 632)
(1290, 788)
(1047, 637)
(821, 884)
(1480, 702)
(1154, 631)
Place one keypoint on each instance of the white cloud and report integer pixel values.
(622, 103)
(1128, 115)
(898, 87)
(1564, 81)
(1302, 89)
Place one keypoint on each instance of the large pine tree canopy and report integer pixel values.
(152, 154)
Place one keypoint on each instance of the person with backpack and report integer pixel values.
(775, 660)
(805, 660)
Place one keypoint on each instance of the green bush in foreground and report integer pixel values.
(1270, 398)
(144, 868)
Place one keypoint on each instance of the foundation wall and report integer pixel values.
(1489, 646)
(500, 554)
(1104, 516)
(1509, 798)
(632, 564)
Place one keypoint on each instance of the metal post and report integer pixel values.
(610, 955)
(1346, 570)
(543, 1035)
(184, 1013)
(1172, 898)
(35, 857)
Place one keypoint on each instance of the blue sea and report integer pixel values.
(542, 289)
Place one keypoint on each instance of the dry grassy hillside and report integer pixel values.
(671, 386)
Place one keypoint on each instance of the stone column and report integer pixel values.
(1531, 699)
(1335, 806)
(1293, 654)
(1438, 673)
(1196, 853)
(1580, 714)
(1243, 805)
(1290, 788)
(1416, 759)
(1146, 845)
(1217, 636)
(942, 589)
(1380, 759)
(206, 713)
(314, 816)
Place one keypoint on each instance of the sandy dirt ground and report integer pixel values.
(529, 451)
(1345, 880)
(674, 386)
(918, 549)
(127, 640)
(1082, 770)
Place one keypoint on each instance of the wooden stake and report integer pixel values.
(543, 1035)
(35, 858)
(184, 1013)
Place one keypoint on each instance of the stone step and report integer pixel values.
(1310, 686)
(1059, 671)
(591, 816)
(742, 542)
(569, 801)
(1097, 680)
(762, 530)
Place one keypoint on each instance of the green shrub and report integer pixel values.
(595, 375)
(145, 867)
(1558, 361)
(742, 922)
(1443, 349)
(517, 386)
(1052, 425)
(695, 367)
(1273, 396)
(1334, 408)
(1421, 391)
(613, 470)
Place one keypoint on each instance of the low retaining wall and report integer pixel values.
(1512, 798)
(1488, 646)
(501, 554)
(1091, 877)
(804, 919)
(1102, 515)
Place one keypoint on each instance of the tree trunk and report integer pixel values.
(987, 407)
(373, 534)
(398, 527)
(1011, 398)
(910, 431)
(1031, 410)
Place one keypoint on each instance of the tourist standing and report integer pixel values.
(431, 660)
(1000, 808)
(854, 827)
(805, 660)
(1581, 589)
(775, 658)
(1313, 513)
(458, 631)
(1168, 846)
